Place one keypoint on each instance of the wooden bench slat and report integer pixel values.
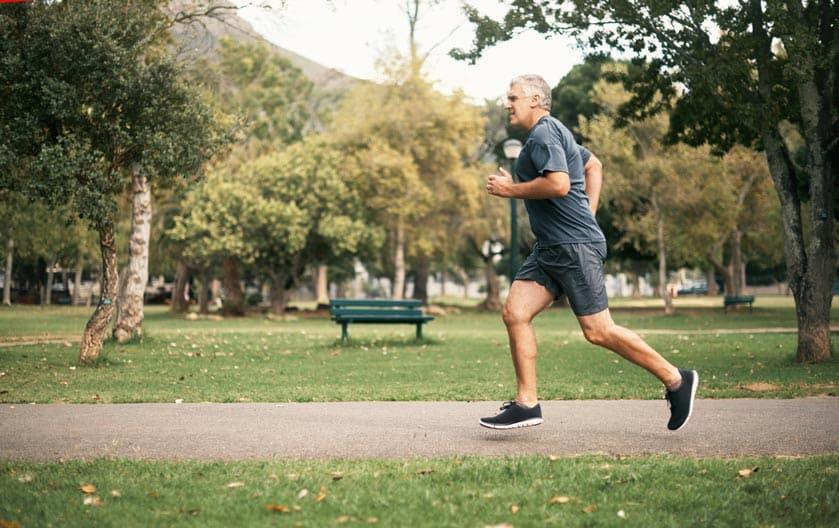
(375, 302)
(339, 313)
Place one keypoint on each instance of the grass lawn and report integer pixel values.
(471, 491)
(465, 357)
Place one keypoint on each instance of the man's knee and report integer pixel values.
(513, 315)
(598, 335)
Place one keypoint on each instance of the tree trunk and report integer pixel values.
(711, 278)
(636, 284)
(7, 278)
(322, 285)
(48, 291)
(204, 293)
(399, 262)
(96, 327)
(492, 302)
(179, 304)
(234, 299)
(464, 278)
(130, 319)
(810, 271)
(444, 276)
(77, 284)
(736, 262)
(421, 271)
(662, 269)
(279, 293)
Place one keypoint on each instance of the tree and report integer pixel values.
(88, 92)
(280, 212)
(748, 68)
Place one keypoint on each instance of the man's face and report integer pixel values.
(519, 106)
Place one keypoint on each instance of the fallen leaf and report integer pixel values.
(747, 472)
(622, 514)
(179, 400)
(337, 475)
(115, 493)
(502, 525)
(25, 478)
(553, 458)
(9, 524)
(236, 484)
(302, 493)
(591, 508)
(93, 500)
(88, 488)
(321, 495)
(281, 508)
(372, 520)
(560, 499)
(341, 519)
(514, 509)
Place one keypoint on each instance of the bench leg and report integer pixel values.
(419, 330)
(344, 334)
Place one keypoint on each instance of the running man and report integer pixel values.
(567, 258)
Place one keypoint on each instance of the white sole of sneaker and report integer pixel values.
(692, 398)
(526, 423)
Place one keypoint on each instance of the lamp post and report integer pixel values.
(512, 149)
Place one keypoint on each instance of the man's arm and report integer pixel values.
(594, 181)
(551, 185)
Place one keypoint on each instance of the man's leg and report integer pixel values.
(525, 300)
(601, 330)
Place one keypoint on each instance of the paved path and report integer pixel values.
(215, 431)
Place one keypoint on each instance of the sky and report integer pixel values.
(349, 35)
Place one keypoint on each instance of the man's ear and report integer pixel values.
(535, 100)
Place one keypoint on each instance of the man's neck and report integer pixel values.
(539, 114)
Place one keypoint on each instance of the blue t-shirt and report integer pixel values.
(550, 147)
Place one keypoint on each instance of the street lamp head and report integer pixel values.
(512, 148)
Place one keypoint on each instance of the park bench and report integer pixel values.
(379, 311)
(734, 300)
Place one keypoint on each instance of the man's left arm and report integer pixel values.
(594, 181)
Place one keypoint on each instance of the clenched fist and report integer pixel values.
(500, 185)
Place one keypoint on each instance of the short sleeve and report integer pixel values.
(549, 157)
(585, 154)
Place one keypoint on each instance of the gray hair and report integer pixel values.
(533, 84)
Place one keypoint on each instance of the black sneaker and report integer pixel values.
(514, 415)
(680, 401)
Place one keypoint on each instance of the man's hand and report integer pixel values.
(500, 185)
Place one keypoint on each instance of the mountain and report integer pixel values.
(200, 37)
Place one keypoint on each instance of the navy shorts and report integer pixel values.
(573, 269)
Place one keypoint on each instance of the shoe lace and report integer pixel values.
(507, 404)
(667, 398)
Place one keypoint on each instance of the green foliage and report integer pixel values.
(279, 212)
(86, 91)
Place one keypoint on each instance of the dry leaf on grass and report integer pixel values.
(9, 524)
(281, 508)
(302, 493)
(116, 493)
(502, 525)
(747, 472)
(236, 485)
(93, 500)
(341, 519)
(321, 495)
(337, 475)
(560, 499)
(622, 514)
(591, 508)
(514, 509)
(88, 488)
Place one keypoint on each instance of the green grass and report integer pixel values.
(465, 357)
(472, 491)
